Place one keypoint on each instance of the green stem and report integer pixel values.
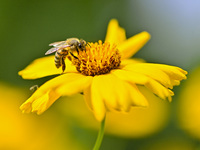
(100, 135)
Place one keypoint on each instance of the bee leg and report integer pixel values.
(63, 64)
(77, 51)
(73, 55)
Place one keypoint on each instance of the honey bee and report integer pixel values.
(63, 48)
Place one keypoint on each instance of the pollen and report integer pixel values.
(98, 58)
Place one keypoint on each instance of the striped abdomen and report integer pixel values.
(60, 56)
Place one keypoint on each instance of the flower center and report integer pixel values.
(98, 58)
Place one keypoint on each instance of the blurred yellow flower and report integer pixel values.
(189, 103)
(22, 132)
(105, 74)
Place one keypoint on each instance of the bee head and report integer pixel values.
(82, 44)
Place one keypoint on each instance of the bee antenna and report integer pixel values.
(34, 88)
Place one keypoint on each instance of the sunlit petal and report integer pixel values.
(164, 74)
(174, 72)
(115, 92)
(87, 97)
(46, 95)
(39, 103)
(75, 86)
(97, 102)
(159, 90)
(45, 66)
(137, 97)
(130, 76)
(115, 34)
(131, 61)
(151, 72)
(44, 102)
(129, 47)
(106, 89)
(123, 95)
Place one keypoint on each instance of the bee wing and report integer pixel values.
(57, 43)
(52, 50)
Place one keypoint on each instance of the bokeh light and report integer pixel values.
(189, 102)
(28, 132)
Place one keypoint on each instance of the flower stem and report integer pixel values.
(100, 135)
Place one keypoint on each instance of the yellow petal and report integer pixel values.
(44, 67)
(76, 85)
(175, 82)
(137, 97)
(115, 34)
(150, 71)
(130, 76)
(39, 103)
(46, 95)
(160, 77)
(129, 47)
(97, 101)
(125, 62)
(43, 103)
(114, 92)
(174, 72)
(164, 74)
(26, 107)
(106, 89)
(87, 97)
(121, 93)
(159, 90)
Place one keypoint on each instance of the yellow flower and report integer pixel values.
(20, 132)
(105, 74)
(188, 110)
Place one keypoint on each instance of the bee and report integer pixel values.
(63, 48)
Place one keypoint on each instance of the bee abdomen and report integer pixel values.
(57, 61)
(58, 57)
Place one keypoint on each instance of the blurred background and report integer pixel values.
(26, 29)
